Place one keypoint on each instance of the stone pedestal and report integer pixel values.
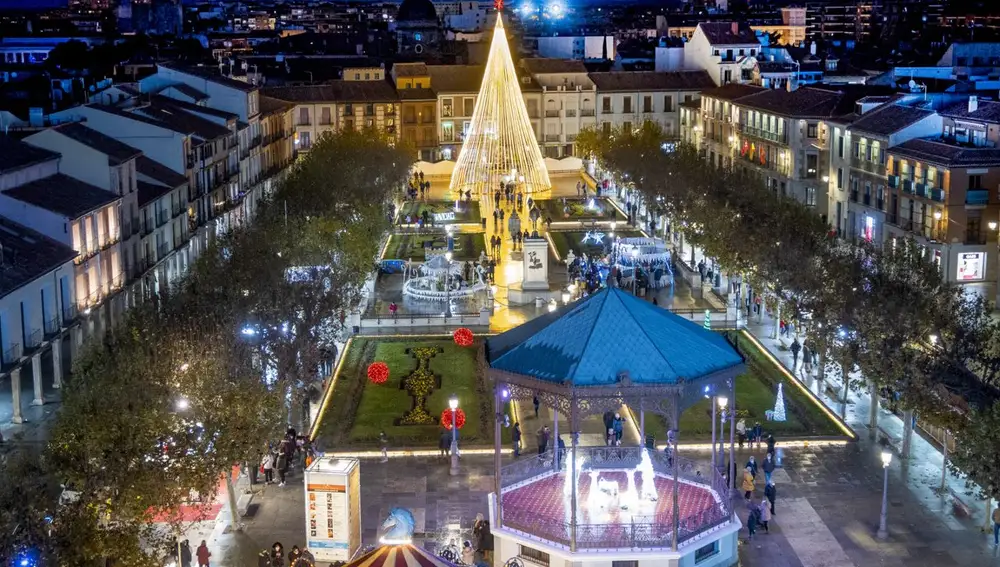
(536, 264)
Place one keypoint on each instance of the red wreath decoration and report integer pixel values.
(378, 372)
(463, 338)
(446, 418)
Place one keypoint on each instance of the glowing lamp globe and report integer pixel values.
(378, 372)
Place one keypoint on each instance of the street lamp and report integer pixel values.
(635, 267)
(883, 533)
(453, 404)
(183, 404)
(565, 297)
(723, 404)
(447, 286)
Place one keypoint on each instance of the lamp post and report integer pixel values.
(713, 432)
(883, 533)
(723, 405)
(447, 286)
(453, 404)
(635, 267)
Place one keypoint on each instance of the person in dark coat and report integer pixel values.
(752, 465)
(515, 436)
(444, 442)
(771, 493)
(770, 445)
(186, 554)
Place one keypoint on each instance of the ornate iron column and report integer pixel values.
(497, 448)
(573, 426)
(676, 463)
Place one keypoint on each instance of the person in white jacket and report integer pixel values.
(267, 463)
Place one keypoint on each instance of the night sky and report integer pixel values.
(26, 4)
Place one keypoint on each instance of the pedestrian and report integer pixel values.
(996, 526)
(795, 348)
(768, 466)
(444, 441)
(741, 431)
(543, 439)
(806, 358)
(757, 433)
(267, 464)
(186, 554)
(619, 428)
(765, 515)
(771, 493)
(294, 555)
(383, 440)
(561, 446)
(203, 554)
(536, 403)
(393, 310)
(748, 484)
(282, 466)
(752, 516)
(770, 445)
(515, 435)
(468, 554)
(752, 465)
(655, 303)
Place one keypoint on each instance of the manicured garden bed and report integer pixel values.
(756, 391)
(468, 211)
(564, 241)
(577, 210)
(468, 246)
(359, 410)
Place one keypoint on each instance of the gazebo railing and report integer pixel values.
(526, 468)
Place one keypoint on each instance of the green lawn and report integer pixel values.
(359, 410)
(565, 241)
(468, 246)
(576, 209)
(467, 211)
(756, 391)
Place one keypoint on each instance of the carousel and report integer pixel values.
(612, 352)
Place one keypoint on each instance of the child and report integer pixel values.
(383, 439)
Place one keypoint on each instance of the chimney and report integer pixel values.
(973, 103)
(735, 27)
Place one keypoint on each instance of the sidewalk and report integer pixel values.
(924, 466)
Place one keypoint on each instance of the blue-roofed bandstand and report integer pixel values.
(587, 358)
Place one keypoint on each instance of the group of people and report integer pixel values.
(760, 513)
(278, 458)
(202, 554)
(478, 551)
(417, 185)
(510, 195)
(810, 355)
(614, 424)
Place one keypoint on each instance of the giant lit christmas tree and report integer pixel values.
(500, 145)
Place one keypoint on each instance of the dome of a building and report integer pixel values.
(416, 10)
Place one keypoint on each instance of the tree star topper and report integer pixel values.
(498, 4)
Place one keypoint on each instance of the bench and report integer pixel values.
(243, 503)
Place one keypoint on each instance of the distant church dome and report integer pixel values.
(416, 10)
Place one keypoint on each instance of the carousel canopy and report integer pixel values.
(407, 555)
(611, 334)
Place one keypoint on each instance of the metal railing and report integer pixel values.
(33, 340)
(51, 325)
(551, 113)
(587, 112)
(552, 137)
(764, 134)
(69, 314)
(12, 354)
(570, 113)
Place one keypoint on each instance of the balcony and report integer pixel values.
(552, 137)
(570, 113)
(571, 137)
(552, 114)
(894, 181)
(162, 249)
(937, 195)
(764, 134)
(12, 355)
(85, 254)
(162, 216)
(69, 314)
(854, 196)
(977, 197)
(51, 326)
(146, 227)
(33, 340)
(587, 112)
(907, 186)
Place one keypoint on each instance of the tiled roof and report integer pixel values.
(189, 91)
(15, 154)
(947, 155)
(988, 111)
(456, 78)
(805, 102)
(116, 151)
(165, 101)
(593, 342)
(652, 80)
(159, 172)
(175, 118)
(889, 118)
(27, 255)
(731, 91)
(150, 191)
(543, 65)
(347, 91)
(721, 33)
(63, 195)
(417, 94)
(269, 106)
(210, 73)
(410, 69)
(139, 117)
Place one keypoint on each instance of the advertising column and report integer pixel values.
(333, 508)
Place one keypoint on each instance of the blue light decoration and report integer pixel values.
(597, 237)
(418, 36)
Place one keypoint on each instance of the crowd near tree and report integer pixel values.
(886, 313)
(207, 375)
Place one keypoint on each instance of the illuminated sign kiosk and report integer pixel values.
(333, 508)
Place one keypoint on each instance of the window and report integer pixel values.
(304, 141)
(857, 150)
(625, 563)
(975, 182)
(534, 556)
(606, 128)
(447, 108)
(368, 76)
(304, 116)
(810, 196)
(703, 553)
(447, 132)
(627, 126)
(647, 104)
(668, 103)
(840, 178)
(348, 109)
(627, 104)
(811, 131)
(840, 146)
(369, 110)
(688, 98)
(468, 104)
(812, 165)
(357, 76)
(324, 117)
(876, 152)
(606, 104)
(862, 149)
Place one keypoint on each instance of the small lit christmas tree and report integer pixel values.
(708, 319)
(779, 405)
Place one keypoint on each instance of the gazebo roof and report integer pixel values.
(607, 336)
(405, 555)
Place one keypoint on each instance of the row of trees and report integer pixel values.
(886, 312)
(184, 389)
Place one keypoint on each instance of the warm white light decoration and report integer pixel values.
(500, 141)
(597, 237)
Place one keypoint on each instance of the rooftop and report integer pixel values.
(27, 255)
(417, 94)
(652, 80)
(149, 192)
(987, 111)
(116, 151)
(410, 70)
(346, 91)
(189, 91)
(611, 334)
(456, 78)
(728, 33)
(163, 101)
(269, 106)
(212, 74)
(63, 195)
(947, 155)
(889, 118)
(173, 117)
(15, 154)
(544, 65)
(159, 172)
(731, 91)
(806, 102)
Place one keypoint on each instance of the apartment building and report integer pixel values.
(726, 50)
(418, 108)
(163, 229)
(629, 98)
(457, 87)
(277, 140)
(568, 99)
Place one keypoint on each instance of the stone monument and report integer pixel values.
(536, 264)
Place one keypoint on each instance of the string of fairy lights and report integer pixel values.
(500, 145)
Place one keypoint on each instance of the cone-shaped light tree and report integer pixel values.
(500, 145)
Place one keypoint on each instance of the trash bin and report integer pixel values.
(651, 442)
